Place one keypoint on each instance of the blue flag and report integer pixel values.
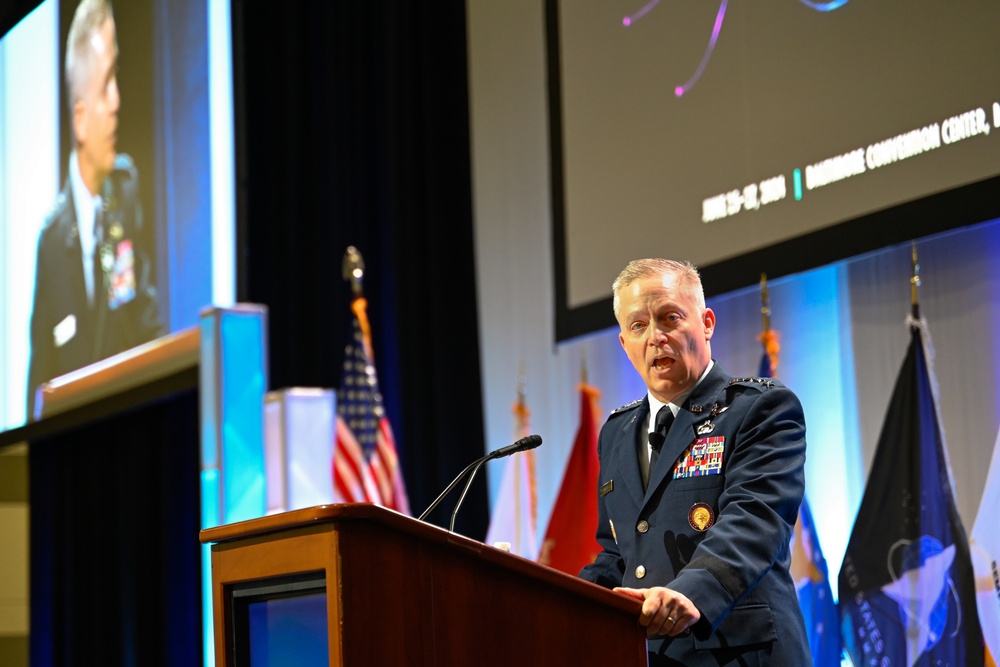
(907, 594)
(808, 568)
(812, 583)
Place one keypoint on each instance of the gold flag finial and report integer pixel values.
(765, 308)
(915, 282)
(768, 337)
(354, 269)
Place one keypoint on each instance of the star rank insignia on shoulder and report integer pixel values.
(625, 408)
(764, 382)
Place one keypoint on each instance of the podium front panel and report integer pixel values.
(401, 592)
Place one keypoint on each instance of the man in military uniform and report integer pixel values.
(92, 296)
(700, 485)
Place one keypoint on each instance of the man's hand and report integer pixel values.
(664, 611)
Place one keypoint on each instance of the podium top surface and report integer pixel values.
(392, 521)
(274, 523)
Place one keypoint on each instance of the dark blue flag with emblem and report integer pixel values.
(907, 592)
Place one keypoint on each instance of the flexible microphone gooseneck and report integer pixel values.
(529, 442)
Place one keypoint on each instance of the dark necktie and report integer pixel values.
(664, 418)
(98, 271)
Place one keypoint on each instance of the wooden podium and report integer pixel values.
(403, 592)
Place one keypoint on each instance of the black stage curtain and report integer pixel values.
(352, 129)
(115, 557)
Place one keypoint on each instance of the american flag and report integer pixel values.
(365, 463)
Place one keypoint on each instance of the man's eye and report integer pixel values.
(638, 326)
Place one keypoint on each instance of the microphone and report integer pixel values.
(656, 440)
(524, 444)
(529, 442)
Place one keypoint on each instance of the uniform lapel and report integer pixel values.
(72, 268)
(628, 463)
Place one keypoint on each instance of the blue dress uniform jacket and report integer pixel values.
(715, 522)
(67, 332)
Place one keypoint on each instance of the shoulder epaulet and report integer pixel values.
(57, 208)
(122, 183)
(625, 408)
(763, 382)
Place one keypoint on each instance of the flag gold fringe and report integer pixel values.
(772, 346)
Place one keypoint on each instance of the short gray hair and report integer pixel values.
(90, 15)
(688, 278)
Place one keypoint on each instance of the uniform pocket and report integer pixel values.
(697, 483)
(745, 625)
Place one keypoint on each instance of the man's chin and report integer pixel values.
(663, 377)
(664, 390)
(109, 165)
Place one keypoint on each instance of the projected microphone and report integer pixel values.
(529, 442)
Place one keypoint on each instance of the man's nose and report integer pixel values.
(114, 99)
(656, 334)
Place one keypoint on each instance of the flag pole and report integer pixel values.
(915, 283)
(354, 272)
(521, 406)
(765, 309)
(354, 269)
(768, 337)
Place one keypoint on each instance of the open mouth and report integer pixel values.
(662, 363)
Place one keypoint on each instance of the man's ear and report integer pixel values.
(77, 121)
(709, 321)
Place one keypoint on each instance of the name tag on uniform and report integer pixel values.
(702, 457)
(64, 331)
(607, 487)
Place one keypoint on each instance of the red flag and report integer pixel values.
(570, 541)
(365, 463)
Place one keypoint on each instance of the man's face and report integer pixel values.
(665, 335)
(95, 116)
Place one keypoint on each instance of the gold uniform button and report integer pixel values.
(640, 572)
(643, 526)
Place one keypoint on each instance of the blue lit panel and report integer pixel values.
(243, 376)
(234, 381)
(817, 361)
